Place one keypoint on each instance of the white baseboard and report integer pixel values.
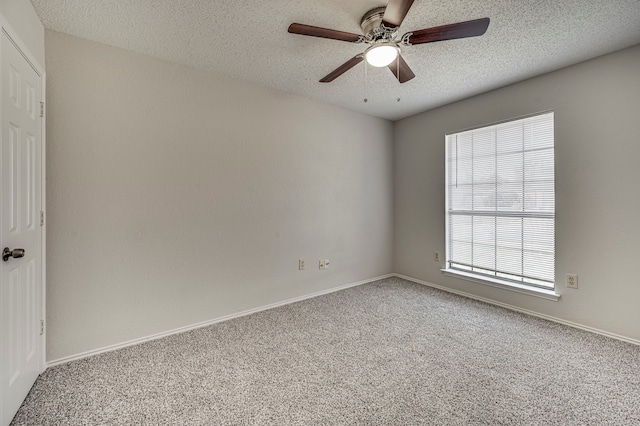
(160, 335)
(524, 311)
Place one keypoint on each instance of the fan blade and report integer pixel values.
(473, 28)
(399, 66)
(343, 68)
(395, 12)
(310, 30)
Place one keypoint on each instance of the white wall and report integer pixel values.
(177, 196)
(597, 128)
(25, 22)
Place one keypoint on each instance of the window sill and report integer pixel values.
(531, 291)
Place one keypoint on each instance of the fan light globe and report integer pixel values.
(381, 55)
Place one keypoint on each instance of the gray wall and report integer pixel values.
(177, 196)
(597, 128)
(25, 22)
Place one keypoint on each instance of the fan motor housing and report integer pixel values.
(372, 20)
(373, 29)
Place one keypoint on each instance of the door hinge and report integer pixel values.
(41, 327)
(41, 109)
(41, 218)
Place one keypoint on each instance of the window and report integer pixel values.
(500, 202)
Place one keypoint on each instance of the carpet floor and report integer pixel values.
(386, 353)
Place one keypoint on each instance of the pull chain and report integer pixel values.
(365, 82)
(398, 71)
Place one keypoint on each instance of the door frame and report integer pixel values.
(6, 27)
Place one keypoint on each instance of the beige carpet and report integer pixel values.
(386, 353)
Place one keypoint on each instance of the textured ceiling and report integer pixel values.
(248, 40)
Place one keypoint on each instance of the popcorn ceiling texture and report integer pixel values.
(385, 353)
(248, 40)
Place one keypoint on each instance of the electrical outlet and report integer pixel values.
(321, 264)
(572, 281)
(326, 264)
(436, 256)
(301, 264)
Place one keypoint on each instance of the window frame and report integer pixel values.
(494, 280)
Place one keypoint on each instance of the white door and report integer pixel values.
(20, 293)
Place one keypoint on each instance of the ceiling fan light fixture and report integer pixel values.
(382, 54)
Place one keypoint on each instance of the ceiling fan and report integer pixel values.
(380, 28)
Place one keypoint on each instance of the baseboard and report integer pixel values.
(524, 311)
(160, 335)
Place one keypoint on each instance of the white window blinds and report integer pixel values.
(501, 201)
